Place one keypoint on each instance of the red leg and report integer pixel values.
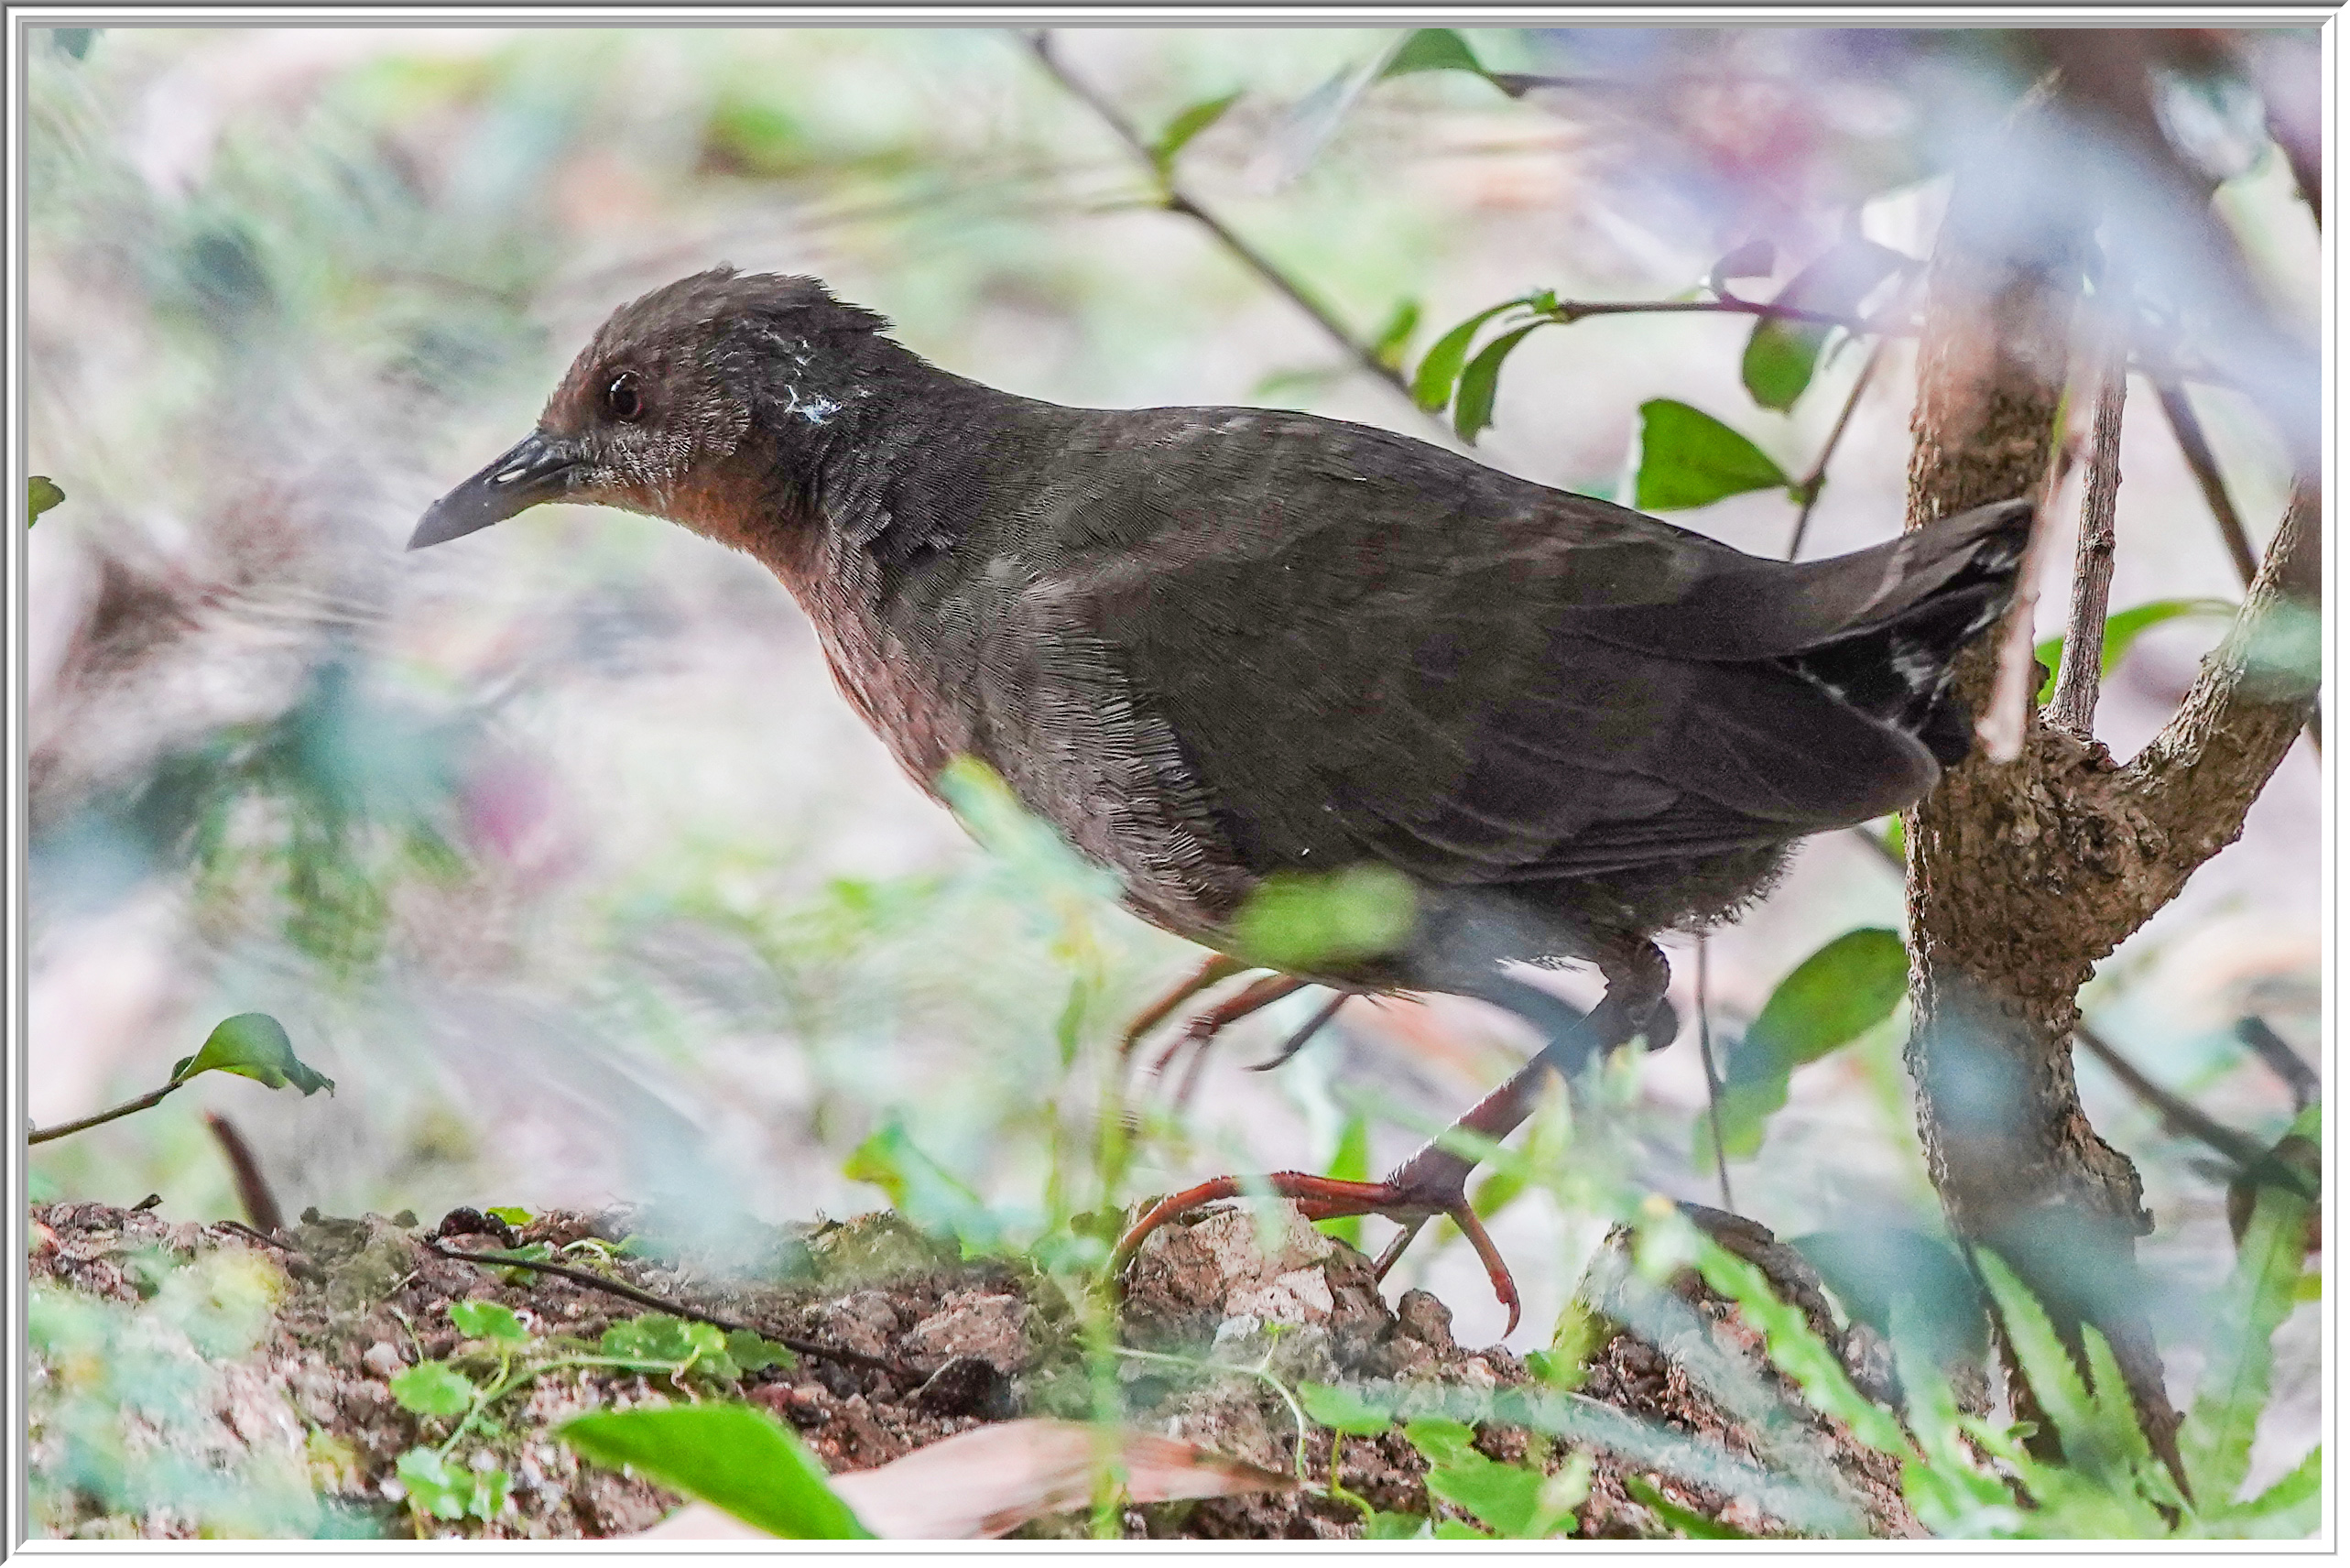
(1435, 1181)
(1218, 969)
(1204, 1026)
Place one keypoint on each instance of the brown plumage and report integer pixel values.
(1212, 644)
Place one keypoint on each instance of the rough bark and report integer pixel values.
(2023, 875)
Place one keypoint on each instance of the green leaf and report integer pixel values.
(1781, 355)
(1431, 384)
(733, 1456)
(510, 1215)
(1380, 1526)
(1342, 1410)
(1432, 48)
(1187, 123)
(1688, 1521)
(41, 494)
(1298, 919)
(1505, 1496)
(657, 1336)
(2216, 1440)
(753, 1353)
(1797, 1351)
(2048, 1367)
(1473, 403)
(1690, 459)
(251, 1045)
(1440, 1439)
(2122, 629)
(1832, 997)
(1388, 346)
(928, 1195)
(488, 1320)
(449, 1491)
(2287, 1511)
(433, 1388)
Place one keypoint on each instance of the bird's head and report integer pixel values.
(683, 398)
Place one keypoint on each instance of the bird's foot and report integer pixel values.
(1199, 1031)
(1409, 1201)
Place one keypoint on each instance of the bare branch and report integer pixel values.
(1811, 483)
(2195, 780)
(2075, 703)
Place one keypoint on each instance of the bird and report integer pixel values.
(1232, 652)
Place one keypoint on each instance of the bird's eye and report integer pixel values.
(623, 397)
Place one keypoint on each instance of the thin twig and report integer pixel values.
(677, 1309)
(2188, 430)
(2081, 665)
(43, 1135)
(2281, 1059)
(1569, 311)
(1713, 1079)
(1816, 481)
(1176, 200)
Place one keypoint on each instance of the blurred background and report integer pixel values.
(556, 850)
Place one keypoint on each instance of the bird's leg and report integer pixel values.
(1202, 1031)
(1435, 1181)
(1219, 968)
(1304, 1033)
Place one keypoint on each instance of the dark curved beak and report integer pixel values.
(537, 468)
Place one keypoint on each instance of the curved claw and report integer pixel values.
(1328, 1198)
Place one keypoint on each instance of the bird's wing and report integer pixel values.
(1362, 644)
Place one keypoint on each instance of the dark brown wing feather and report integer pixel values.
(1364, 646)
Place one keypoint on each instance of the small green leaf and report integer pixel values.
(925, 1192)
(1431, 384)
(1440, 1439)
(1473, 403)
(657, 1336)
(1299, 919)
(1432, 48)
(41, 494)
(753, 1353)
(1341, 1409)
(488, 1320)
(1832, 997)
(733, 1456)
(1380, 1526)
(433, 1388)
(1799, 1352)
(1782, 354)
(1689, 458)
(1688, 1521)
(1388, 346)
(251, 1045)
(2122, 629)
(1187, 123)
(451, 1492)
(510, 1215)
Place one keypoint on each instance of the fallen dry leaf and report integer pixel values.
(984, 1482)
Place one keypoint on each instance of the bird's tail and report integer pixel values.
(1897, 667)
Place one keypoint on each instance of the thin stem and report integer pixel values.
(2188, 430)
(1569, 311)
(2081, 666)
(647, 1299)
(1814, 482)
(1713, 1079)
(43, 1135)
(1176, 200)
